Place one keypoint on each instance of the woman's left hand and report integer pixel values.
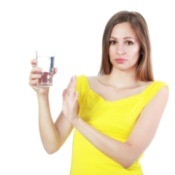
(70, 103)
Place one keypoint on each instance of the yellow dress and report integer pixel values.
(115, 119)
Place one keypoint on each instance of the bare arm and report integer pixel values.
(127, 153)
(52, 134)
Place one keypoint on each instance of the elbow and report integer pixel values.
(126, 165)
(50, 151)
(130, 157)
(52, 148)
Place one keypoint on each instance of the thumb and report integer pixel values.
(55, 70)
(76, 96)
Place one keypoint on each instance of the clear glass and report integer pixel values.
(46, 63)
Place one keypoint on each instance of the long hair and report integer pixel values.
(138, 23)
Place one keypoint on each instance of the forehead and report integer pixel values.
(123, 30)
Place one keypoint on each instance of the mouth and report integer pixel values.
(120, 60)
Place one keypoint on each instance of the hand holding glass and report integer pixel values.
(46, 63)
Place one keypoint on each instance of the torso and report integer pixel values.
(110, 92)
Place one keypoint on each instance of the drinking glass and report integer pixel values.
(46, 64)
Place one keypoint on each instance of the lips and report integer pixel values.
(120, 60)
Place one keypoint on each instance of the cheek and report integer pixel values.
(112, 51)
(134, 54)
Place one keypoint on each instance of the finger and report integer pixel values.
(35, 76)
(68, 92)
(36, 70)
(74, 82)
(34, 63)
(72, 85)
(55, 70)
(64, 93)
(69, 83)
(76, 97)
(33, 82)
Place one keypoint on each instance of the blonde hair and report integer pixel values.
(138, 23)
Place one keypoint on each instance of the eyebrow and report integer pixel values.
(128, 37)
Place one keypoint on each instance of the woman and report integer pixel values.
(115, 114)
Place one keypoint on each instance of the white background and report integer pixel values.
(73, 29)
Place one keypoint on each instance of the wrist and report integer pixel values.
(42, 91)
(42, 96)
(75, 121)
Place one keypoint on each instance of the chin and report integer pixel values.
(124, 68)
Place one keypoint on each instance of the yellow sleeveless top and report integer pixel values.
(115, 119)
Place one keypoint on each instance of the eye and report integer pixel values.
(129, 43)
(112, 42)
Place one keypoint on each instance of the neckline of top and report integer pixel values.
(120, 99)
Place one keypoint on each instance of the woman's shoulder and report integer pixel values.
(159, 84)
(88, 82)
(153, 84)
(162, 87)
(83, 80)
(84, 83)
(157, 87)
(84, 77)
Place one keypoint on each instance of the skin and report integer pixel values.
(120, 83)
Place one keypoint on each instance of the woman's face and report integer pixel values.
(124, 49)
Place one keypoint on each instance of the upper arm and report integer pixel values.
(147, 123)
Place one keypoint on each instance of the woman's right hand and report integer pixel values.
(35, 74)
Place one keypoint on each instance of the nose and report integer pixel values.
(120, 49)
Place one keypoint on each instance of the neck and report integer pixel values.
(121, 79)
